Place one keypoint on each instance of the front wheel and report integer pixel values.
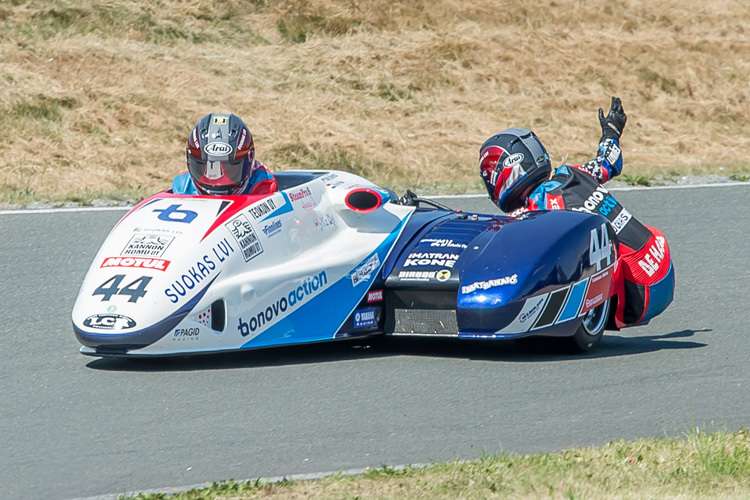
(590, 333)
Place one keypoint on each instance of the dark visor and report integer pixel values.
(218, 172)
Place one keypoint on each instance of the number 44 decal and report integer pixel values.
(135, 290)
(600, 248)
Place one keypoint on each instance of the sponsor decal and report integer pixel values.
(600, 248)
(364, 318)
(416, 275)
(442, 243)
(272, 229)
(245, 235)
(220, 119)
(296, 296)
(263, 207)
(530, 312)
(598, 289)
(443, 275)
(329, 181)
(621, 220)
(298, 195)
(156, 230)
(218, 149)
(654, 257)
(595, 300)
(483, 157)
(607, 205)
(112, 308)
(202, 269)
(593, 200)
(147, 245)
(363, 272)
(513, 160)
(183, 334)
(324, 221)
(494, 176)
(241, 143)
(613, 153)
(309, 205)
(486, 285)
(555, 202)
(431, 259)
(174, 214)
(140, 262)
(600, 276)
(109, 322)
(375, 296)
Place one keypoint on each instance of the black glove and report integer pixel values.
(614, 122)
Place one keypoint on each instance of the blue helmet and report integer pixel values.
(512, 164)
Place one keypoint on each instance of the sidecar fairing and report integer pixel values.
(332, 256)
(186, 274)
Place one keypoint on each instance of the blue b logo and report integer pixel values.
(173, 214)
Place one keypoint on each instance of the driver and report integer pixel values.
(516, 170)
(221, 160)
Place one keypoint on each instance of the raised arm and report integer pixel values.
(608, 161)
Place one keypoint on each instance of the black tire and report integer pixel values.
(590, 333)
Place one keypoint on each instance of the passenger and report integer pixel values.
(516, 171)
(221, 160)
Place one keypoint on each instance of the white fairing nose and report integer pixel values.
(184, 274)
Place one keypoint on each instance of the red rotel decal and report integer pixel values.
(375, 296)
(142, 262)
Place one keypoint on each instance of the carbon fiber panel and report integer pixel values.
(428, 322)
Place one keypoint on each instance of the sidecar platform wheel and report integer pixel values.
(590, 333)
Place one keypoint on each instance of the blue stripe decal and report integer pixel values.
(322, 316)
(285, 208)
(574, 301)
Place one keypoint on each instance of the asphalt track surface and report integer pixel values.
(73, 426)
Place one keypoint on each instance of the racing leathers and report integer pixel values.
(261, 181)
(645, 279)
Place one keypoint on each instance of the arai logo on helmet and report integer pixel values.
(513, 160)
(217, 149)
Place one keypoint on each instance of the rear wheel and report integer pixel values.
(590, 333)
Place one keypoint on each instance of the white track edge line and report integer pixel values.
(618, 188)
(441, 196)
(275, 479)
(23, 211)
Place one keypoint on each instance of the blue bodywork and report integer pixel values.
(491, 276)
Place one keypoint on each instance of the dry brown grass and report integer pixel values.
(97, 98)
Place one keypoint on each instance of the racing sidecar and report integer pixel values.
(332, 256)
